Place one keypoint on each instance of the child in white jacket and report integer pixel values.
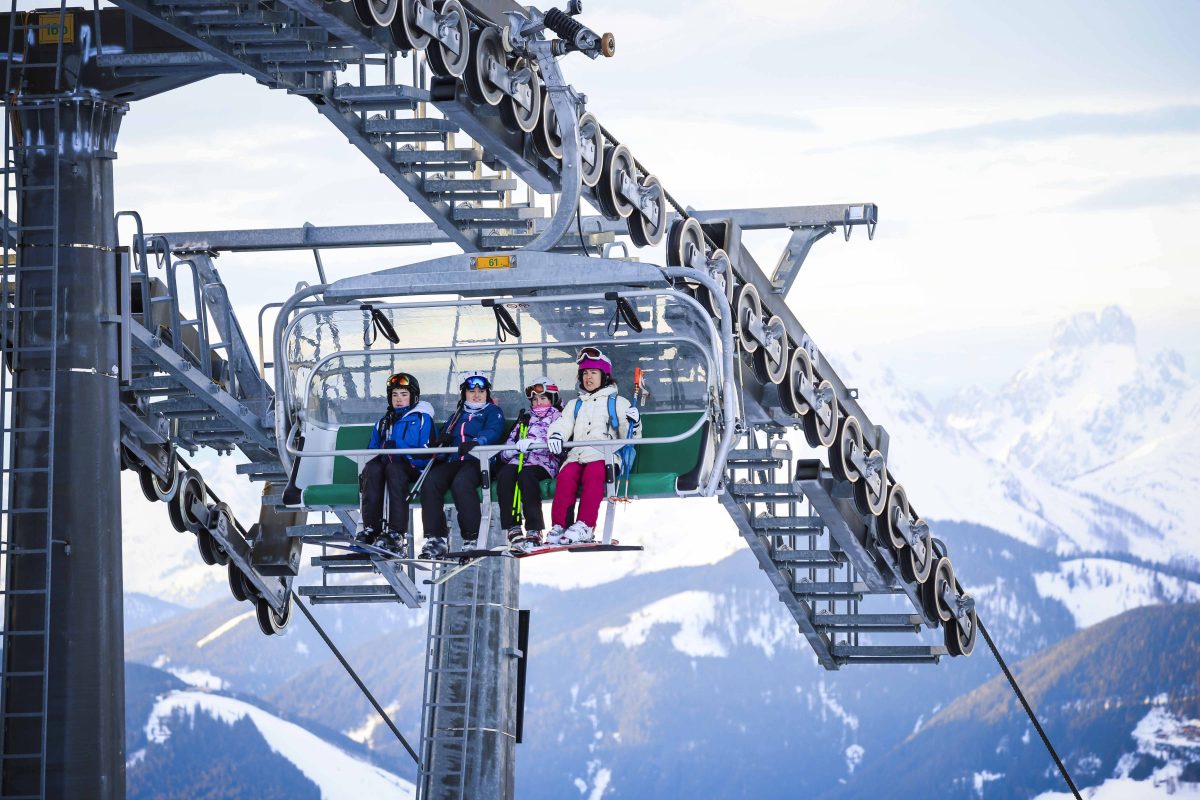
(585, 465)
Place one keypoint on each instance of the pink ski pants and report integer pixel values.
(569, 477)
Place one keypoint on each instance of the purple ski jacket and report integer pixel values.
(538, 427)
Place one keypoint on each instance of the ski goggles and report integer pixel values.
(475, 382)
(400, 380)
(540, 389)
(594, 354)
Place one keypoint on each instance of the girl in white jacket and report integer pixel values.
(585, 465)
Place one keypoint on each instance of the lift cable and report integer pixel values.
(362, 686)
(1032, 717)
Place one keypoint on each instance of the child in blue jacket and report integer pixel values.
(407, 423)
(477, 421)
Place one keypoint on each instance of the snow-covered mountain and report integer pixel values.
(1095, 418)
(198, 742)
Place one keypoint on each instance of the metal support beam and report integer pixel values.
(790, 261)
(63, 581)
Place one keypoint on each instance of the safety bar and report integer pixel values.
(490, 448)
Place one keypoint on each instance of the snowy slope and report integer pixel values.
(339, 775)
(1095, 589)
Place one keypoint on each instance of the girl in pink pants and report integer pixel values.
(587, 419)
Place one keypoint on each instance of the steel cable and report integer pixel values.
(362, 686)
(1028, 710)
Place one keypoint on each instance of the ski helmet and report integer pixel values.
(594, 358)
(402, 380)
(474, 380)
(544, 386)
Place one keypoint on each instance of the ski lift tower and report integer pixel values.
(62, 707)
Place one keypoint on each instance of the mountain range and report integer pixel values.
(676, 672)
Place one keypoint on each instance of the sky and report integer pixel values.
(1029, 161)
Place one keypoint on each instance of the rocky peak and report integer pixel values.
(1110, 326)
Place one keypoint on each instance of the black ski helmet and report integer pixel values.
(402, 380)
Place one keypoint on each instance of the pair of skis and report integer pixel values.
(469, 558)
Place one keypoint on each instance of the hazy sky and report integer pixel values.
(1030, 160)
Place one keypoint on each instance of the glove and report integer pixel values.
(446, 440)
(523, 445)
(524, 417)
(634, 416)
(555, 444)
(467, 447)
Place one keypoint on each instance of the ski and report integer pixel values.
(466, 559)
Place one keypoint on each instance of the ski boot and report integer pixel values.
(515, 537)
(366, 536)
(555, 534)
(434, 547)
(393, 542)
(579, 533)
(470, 542)
(528, 543)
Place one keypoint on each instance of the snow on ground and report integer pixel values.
(339, 775)
(200, 678)
(1095, 589)
(1161, 735)
(692, 611)
(676, 533)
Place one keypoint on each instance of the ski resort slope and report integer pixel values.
(339, 775)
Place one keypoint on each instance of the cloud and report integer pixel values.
(1150, 122)
(1160, 190)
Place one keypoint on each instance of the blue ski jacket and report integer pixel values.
(485, 426)
(411, 426)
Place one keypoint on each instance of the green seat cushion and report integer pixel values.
(655, 470)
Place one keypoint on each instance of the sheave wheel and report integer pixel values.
(591, 149)
(747, 308)
(404, 28)
(165, 488)
(850, 439)
(618, 161)
(897, 508)
(799, 377)
(916, 562)
(270, 621)
(643, 232)
(958, 641)
(442, 60)
(236, 586)
(128, 459)
(547, 139)
(146, 481)
(685, 238)
(221, 520)
(376, 12)
(821, 426)
(870, 501)
(207, 547)
(767, 368)
(514, 115)
(176, 515)
(485, 49)
(721, 271)
(932, 590)
(191, 490)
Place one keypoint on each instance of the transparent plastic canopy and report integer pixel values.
(338, 359)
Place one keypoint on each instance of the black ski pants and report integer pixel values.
(397, 475)
(462, 478)
(507, 481)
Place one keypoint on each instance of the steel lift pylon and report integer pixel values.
(479, 111)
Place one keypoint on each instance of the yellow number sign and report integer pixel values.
(47, 25)
(493, 262)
